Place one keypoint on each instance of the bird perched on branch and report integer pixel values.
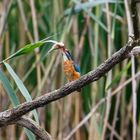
(71, 69)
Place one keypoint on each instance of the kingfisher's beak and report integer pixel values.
(56, 46)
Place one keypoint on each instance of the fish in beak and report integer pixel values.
(56, 46)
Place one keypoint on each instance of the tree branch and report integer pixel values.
(32, 126)
(135, 19)
(14, 114)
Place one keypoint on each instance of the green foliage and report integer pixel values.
(14, 100)
(9, 90)
(21, 87)
(28, 49)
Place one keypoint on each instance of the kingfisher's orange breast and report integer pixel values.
(69, 71)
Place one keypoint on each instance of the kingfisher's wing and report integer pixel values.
(69, 56)
(76, 67)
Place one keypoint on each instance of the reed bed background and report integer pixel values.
(92, 31)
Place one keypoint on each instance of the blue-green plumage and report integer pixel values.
(76, 67)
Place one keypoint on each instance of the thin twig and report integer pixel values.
(116, 109)
(34, 20)
(113, 15)
(132, 27)
(129, 20)
(20, 5)
(4, 16)
(114, 132)
(36, 38)
(134, 97)
(109, 77)
(135, 19)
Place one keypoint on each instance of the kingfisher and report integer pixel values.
(71, 69)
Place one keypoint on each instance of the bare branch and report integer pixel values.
(135, 19)
(34, 127)
(135, 50)
(15, 113)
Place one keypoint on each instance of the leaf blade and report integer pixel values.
(9, 90)
(14, 99)
(21, 87)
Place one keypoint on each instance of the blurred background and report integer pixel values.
(92, 30)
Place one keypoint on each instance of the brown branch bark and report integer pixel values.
(16, 113)
(32, 126)
(135, 19)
